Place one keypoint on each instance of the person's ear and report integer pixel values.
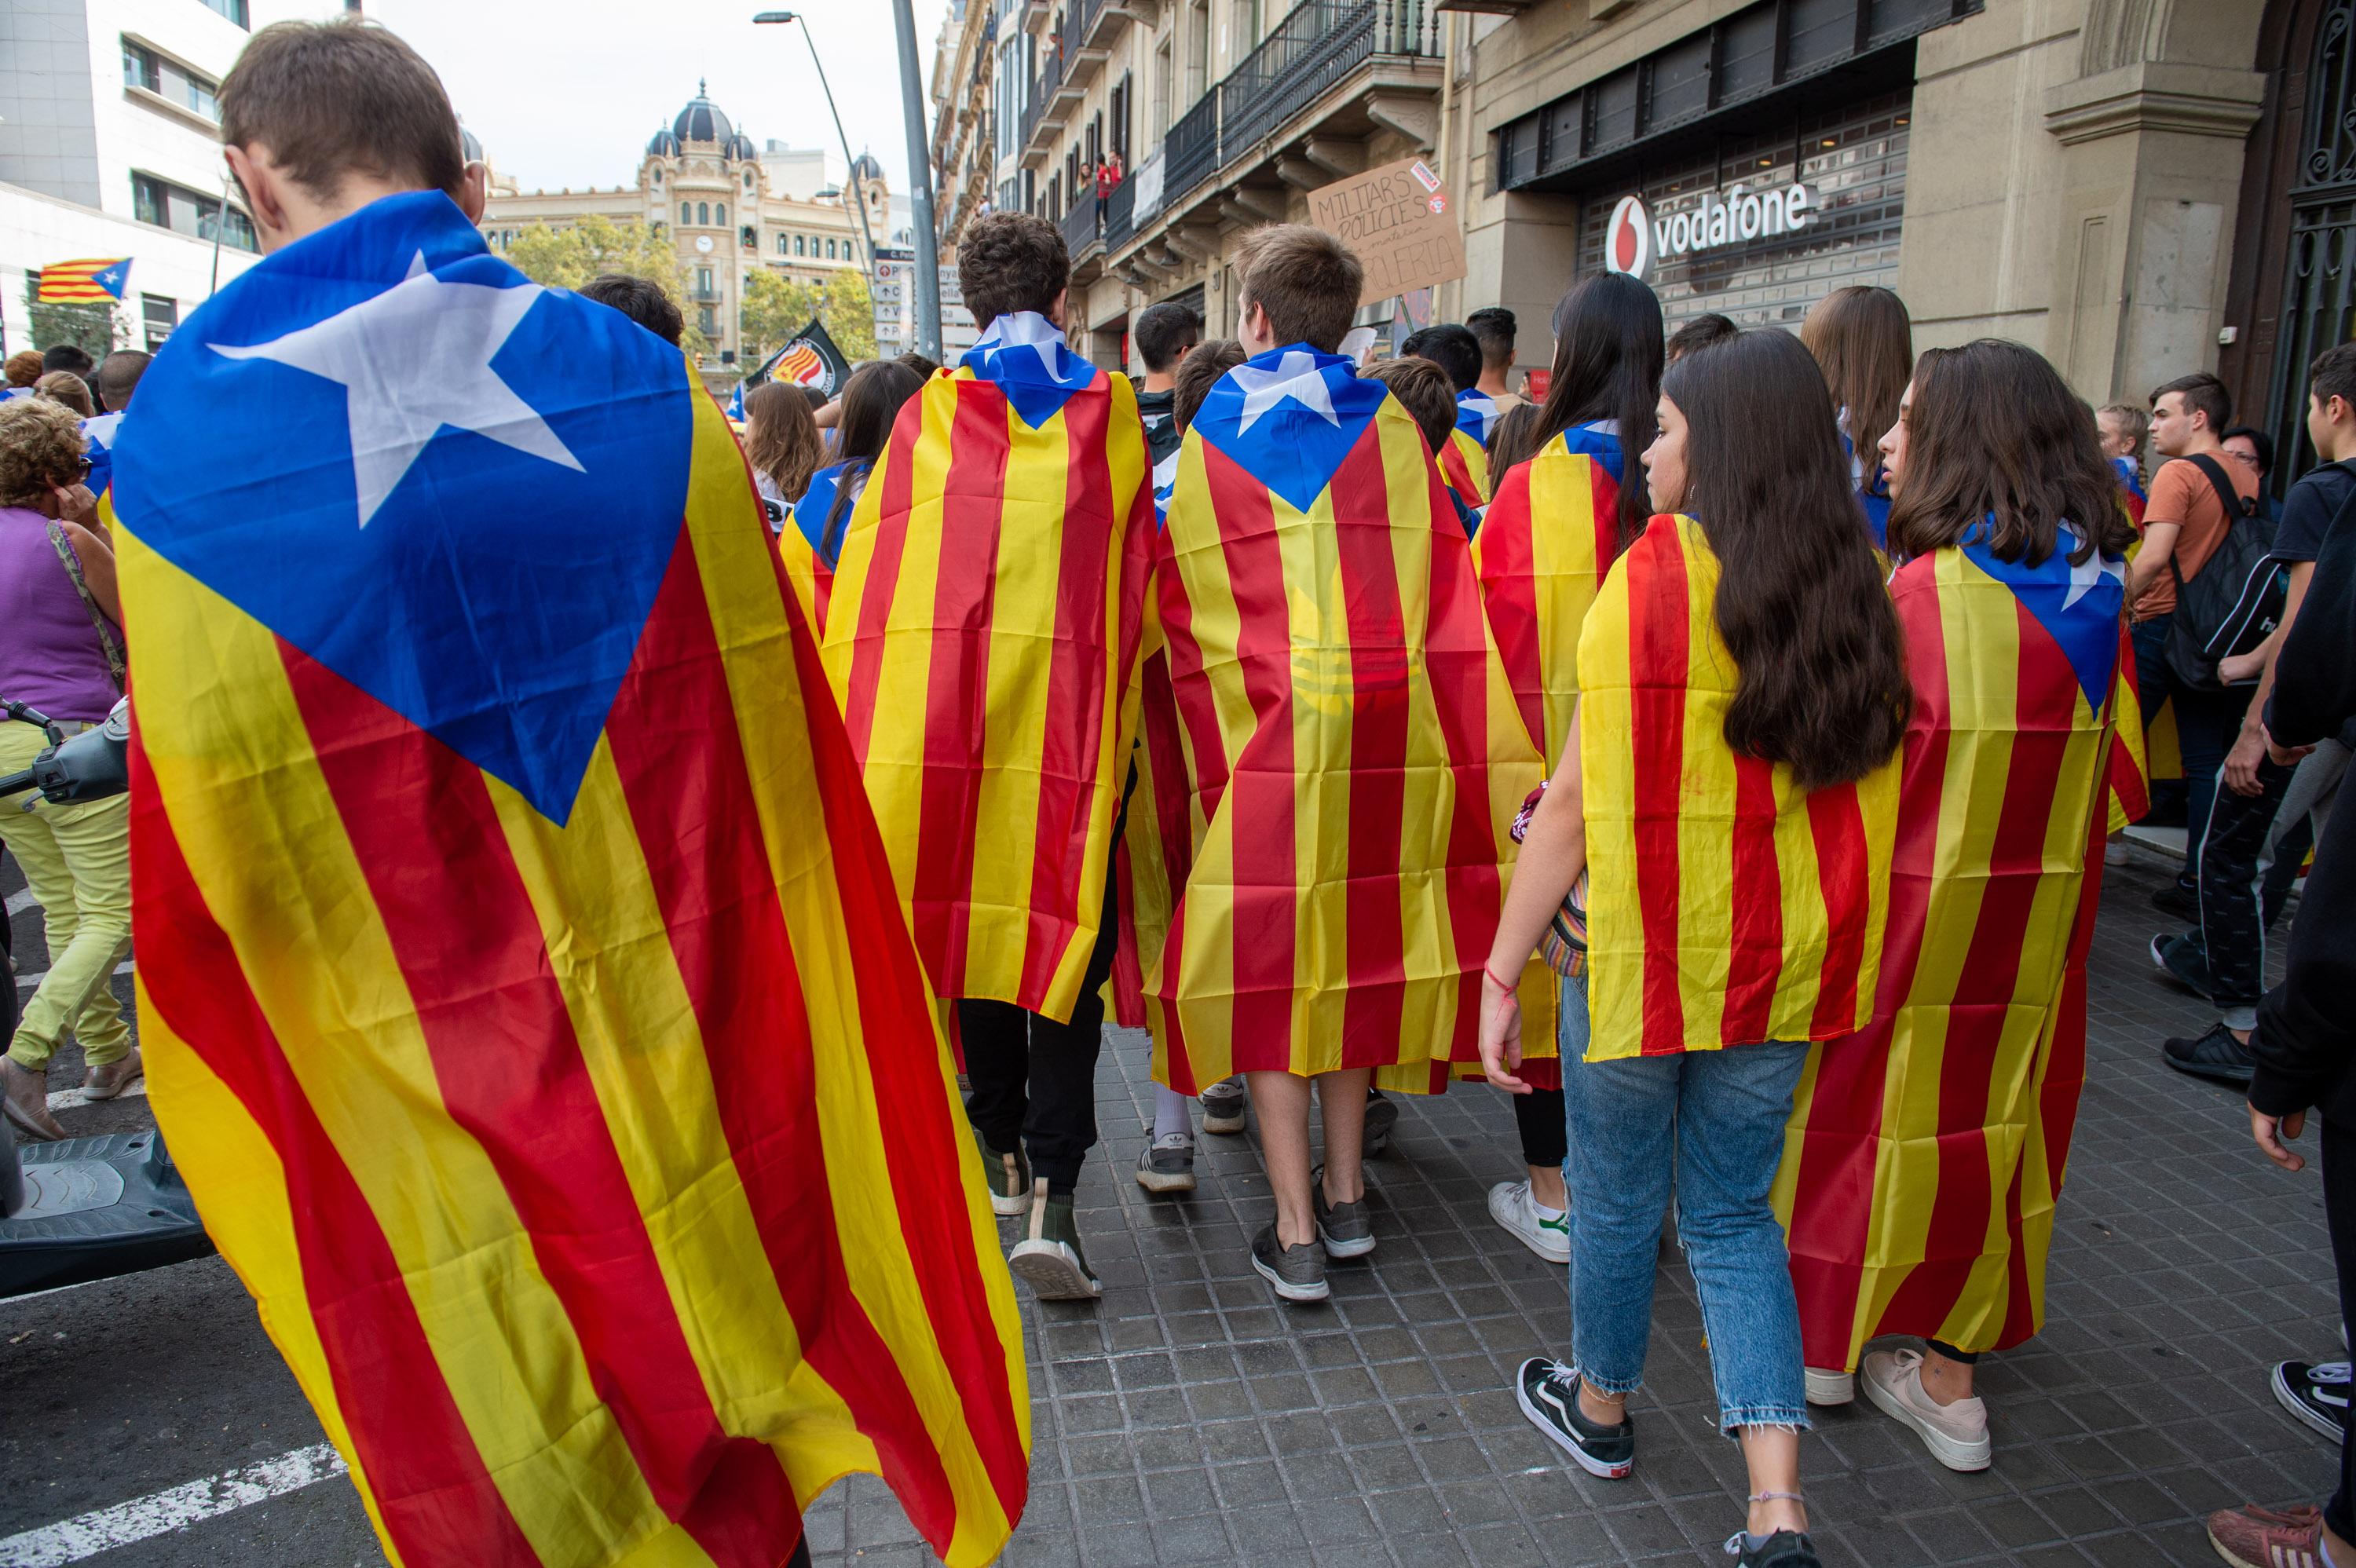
(475, 192)
(1058, 307)
(264, 195)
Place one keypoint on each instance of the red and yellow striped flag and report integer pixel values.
(520, 973)
(981, 636)
(1349, 752)
(1464, 468)
(1925, 1154)
(1728, 906)
(98, 279)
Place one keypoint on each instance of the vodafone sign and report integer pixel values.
(1633, 240)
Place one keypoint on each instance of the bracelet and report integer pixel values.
(1491, 975)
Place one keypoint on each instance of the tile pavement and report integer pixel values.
(1189, 1419)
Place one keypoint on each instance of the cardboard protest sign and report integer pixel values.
(1401, 223)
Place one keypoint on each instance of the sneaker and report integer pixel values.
(2182, 962)
(1168, 1163)
(2317, 1393)
(1548, 1392)
(1956, 1435)
(2255, 1537)
(1784, 1549)
(2180, 899)
(24, 1099)
(1223, 1106)
(1828, 1387)
(1382, 1115)
(1345, 1228)
(2216, 1055)
(1050, 1256)
(1511, 1206)
(1297, 1272)
(107, 1081)
(1009, 1176)
(2116, 853)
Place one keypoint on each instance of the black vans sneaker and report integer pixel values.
(1784, 1549)
(2316, 1394)
(1548, 1391)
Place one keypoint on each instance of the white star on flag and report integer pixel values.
(2085, 574)
(413, 359)
(1296, 378)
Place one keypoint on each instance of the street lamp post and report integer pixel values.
(920, 186)
(775, 18)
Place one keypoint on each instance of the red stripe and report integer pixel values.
(1509, 595)
(822, 591)
(1659, 666)
(1754, 959)
(1456, 469)
(468, 938)
(896, 475)
(1844, 876)
(957, 696)
(675, 738)
(1376, 963)
(1603, 505)
(1076, 693)
(433, 1495)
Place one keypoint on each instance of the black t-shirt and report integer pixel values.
(2308, 510)
(1162, 436)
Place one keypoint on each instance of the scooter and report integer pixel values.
(86, 1209)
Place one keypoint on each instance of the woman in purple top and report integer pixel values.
(60, 654)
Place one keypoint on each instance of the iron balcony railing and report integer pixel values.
(1080, 230)
(1121, 213)
(1191, 152)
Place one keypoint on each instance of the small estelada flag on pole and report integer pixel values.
(77, 283)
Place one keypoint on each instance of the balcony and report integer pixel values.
(1081, 235)
(1101, 21)
(1190, 153)
(1120, 214)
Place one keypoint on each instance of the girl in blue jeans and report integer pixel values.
(1724, 809)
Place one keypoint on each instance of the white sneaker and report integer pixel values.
(1511, 1206)
(2116, 853)
(1956, 1435)
(1828, 1387)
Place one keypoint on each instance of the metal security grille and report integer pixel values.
(1853, 162)
(2318, 297)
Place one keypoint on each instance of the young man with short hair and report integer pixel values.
(982, 633)
(1463, 458)
(1705, 331)
(2265, 815)
(1165, 333)
(67, 356)
(112, 383)
(1325, 643)
(1423, 389)
(2184, 522)
(1493, 326)
(640, 299)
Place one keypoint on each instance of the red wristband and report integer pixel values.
(1491, 975)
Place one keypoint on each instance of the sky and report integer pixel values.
(565, 92)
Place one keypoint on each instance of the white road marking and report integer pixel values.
(22, 899)
(66, 1099)
(103, 1530)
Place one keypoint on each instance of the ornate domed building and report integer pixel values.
(730, 205)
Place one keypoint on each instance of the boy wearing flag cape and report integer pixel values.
(1351, 749)
(980, 636)
(520, 981)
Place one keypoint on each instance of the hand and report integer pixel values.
(1501, 1036)
(2240, 771)
(2270, 1131)
(2284, 756)
(2234, 668)
(75, 503)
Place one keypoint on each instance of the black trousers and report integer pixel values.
(1538, 1116)
(1035, 1079)
(2237, 905)
(2339, 1150)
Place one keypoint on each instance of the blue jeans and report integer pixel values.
(1715, 1118)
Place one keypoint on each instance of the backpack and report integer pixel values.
(2235, 600)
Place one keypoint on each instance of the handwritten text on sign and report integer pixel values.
(1401, 223)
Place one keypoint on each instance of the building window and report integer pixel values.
(170, 79)
(830, 250)
(702, 213)
(720, 214)
(703, 280)
(233, 9)
(797, 243)
(658, 176)
(781, 244)
(748, 180)
(705, 321)
(159, 315)
(686, 215)
(168, 206)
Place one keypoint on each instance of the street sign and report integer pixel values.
(890, 291)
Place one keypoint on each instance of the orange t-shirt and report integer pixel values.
(2181, 494)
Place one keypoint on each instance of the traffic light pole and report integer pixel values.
(920, 186)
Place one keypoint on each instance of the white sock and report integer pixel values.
(1543, 1212)
(1169, 1112)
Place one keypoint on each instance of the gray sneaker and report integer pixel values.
(1223, 1106)
(1050, 1258)
(1009, 1175)
(1168, 1163)
(1345, 1228)
(1382, 1115)
(1298, 1273)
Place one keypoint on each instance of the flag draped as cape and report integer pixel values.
(1728, 906)
(981, 636)
(1341, 745)
(522, 987)
(1924, 1155)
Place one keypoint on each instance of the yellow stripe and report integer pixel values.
(234, 764)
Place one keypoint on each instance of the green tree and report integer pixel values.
(775, 307)
(93, 328)
(568, 257)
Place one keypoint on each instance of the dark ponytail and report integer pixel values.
(1607, 366)
(1801, 604)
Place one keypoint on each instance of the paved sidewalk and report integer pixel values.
(1190, 1420)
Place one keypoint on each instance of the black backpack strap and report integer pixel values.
(2236, 509)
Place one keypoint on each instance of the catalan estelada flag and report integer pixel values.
(1464, 468)
(809, 545)
(1349, 752)
(1728, 906)
(981, 636)
(1925, 1154)
(2132, 494)
(523, 987)
(82, 283)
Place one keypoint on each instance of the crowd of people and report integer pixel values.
(1655, 751)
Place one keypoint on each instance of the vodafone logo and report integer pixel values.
(1628, 238)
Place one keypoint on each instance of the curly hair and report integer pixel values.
(1010, 261)
(24, 367)
(41, 445)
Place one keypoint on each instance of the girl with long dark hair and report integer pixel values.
(1864, 343)
(782, 444)
(871, 402)
(2005, 519)
(1730, 777)
(1557, 522)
